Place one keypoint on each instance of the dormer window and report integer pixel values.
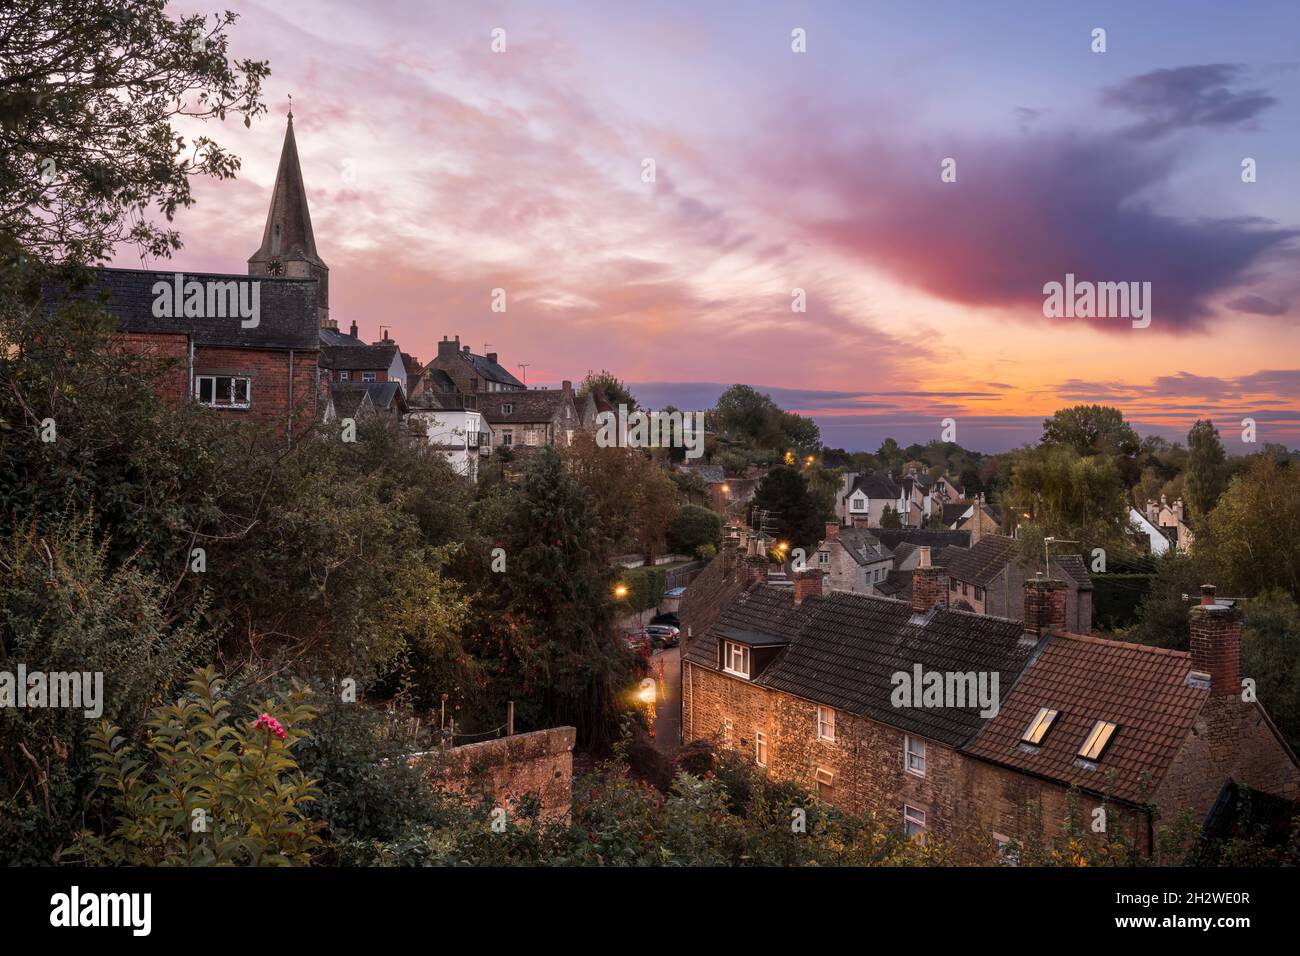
(735, 659)
(507, 408)
(1039, 726)
(1103, 732)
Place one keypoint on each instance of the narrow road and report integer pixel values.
(668, 725)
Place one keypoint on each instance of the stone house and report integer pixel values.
(1171, 519)
(532, 418)
(852, 559)
(989, 578)
(473, 374)
(803, 683)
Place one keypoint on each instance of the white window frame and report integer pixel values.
(507, 408)
(760, 748)
(914, 747)
(914, 817)
(825, 722)
(823, 778)
(248, 391)
(507, 438)
(345, 376)
(369, 377)
(730, 651)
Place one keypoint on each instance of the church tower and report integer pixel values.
(288, 246)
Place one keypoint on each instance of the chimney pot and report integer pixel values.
(1216, 644)
(1044, 604)
(807, 583)
(1207, 593)
(925, 556)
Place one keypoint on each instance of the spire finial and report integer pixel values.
(290, 107)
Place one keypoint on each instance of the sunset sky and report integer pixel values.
(438, 170)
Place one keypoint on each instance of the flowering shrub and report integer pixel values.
(211, 790)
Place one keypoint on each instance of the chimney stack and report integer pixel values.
(756, 568)
(832, 531)
(491, 357)
(807, 583)
(567, 387)
(1216, 643)
(353, 331)
(448, 348)
(929, 584)
(1044, 604)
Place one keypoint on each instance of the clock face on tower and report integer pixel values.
(275, 267)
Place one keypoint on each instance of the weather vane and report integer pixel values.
(291, 106)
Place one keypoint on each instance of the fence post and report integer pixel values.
(510, 719)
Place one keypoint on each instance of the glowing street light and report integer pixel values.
(620, 591)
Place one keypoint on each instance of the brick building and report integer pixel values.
(265, 373)
(803, 683)
(473, 373)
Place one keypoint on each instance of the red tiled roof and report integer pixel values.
(1143, 690)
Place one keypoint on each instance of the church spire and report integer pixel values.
(288, 244)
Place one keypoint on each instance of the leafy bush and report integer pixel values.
(692, 528)
(211, 790)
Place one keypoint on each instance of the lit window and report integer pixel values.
(1103, 732)
(1039, 726)
(736, 659)
(223, 391)
(914, 751)
(914, 823)
(760, 749)
(825, 723)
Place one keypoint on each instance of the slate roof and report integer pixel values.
(878, 484)
(981, 562)
(439, 392)
(361, 357)
(533, 406)
(1141, 689)
(864, 546)
(709, 474)
(954, 512)
(897, 584)
(492, 371)
(382, 395)
(1075, 569)
(287, 316)
(844, 649)
(934, 537)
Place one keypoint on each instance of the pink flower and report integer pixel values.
(271, 724)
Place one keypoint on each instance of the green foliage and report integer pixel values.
(645, 586)
(751, 417)
(1092, 430)
(1070, 497)
(65, 606)
(1207, 468)
(1117, 598)
(1162, 615)
(1270, 655)
(106, 121)
(611, 386)
(211, 790)
(799, 516)
(890, 518)
(693, 528)
(1251, 539)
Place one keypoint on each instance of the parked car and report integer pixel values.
(663, 635)
(669, 618)
(637, 641)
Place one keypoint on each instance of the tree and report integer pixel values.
(752, 417)
(612, 387)
(1207, 469)
(1270, 655)
(694, 527)
(88, 94)
(1092, 430)
(784, 493)
(556, 602)
(890, 518)
(1251, 539)
(1070, 497)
